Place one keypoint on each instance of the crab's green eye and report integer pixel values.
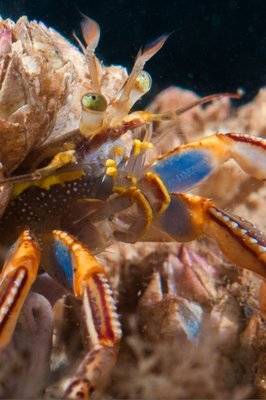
(94, 102)
(143, 82)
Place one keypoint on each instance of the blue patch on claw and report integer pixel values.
(64, 258)
(181, 171)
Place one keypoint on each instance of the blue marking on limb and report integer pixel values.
(181, 171)
(64, 258)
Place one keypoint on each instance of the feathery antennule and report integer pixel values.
(142, 57)
(151, 48)
(91, 31)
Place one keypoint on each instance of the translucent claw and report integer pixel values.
(17, 276)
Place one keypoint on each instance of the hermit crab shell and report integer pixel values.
(42, 78)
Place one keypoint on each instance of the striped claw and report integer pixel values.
(189, 217)
(88, 281)
(18, 274)
(239, 240)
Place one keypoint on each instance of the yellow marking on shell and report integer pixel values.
(139, 147)
(61, 159)
(46, 183)
(19, 188)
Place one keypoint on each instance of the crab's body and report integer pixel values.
(87, 190)
(42, 209)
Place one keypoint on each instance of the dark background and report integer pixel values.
(216, 45)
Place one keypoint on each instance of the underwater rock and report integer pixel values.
(28, 355)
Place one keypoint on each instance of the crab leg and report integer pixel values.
(189, 217)
(189, 164)
(89, 282)
(17, 276)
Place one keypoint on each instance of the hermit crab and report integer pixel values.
(77, 186)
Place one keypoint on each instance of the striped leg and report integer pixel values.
(189, 217)
(17, 276)
(89, 282)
